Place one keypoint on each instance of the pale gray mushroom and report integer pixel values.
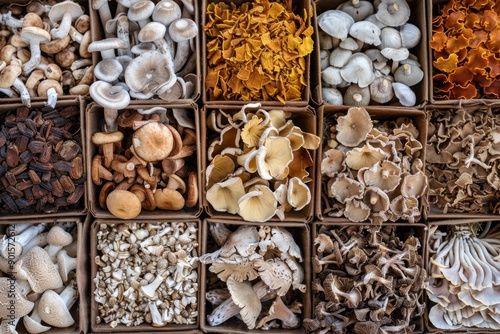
(331, 75)
(357, 96)
(111, 98)
(359, 70)
(366, 32)
(332, 96)
(166, 12)
(108, 70)
(141, 12)
(102, 8)
(405, 94)
(351, 44)
(33, 322)
(154, 32)
(335, 23)
(381, 90)
(324, 59)
(327, 42)
(393, 13)
(395, 54)
(373, 19)
(107, 47)
(140, 48)
(358, 9)
(409, 75)
(182, 31)
(339, 57)
(6, 19)
(64, 13)
(390, 38)
(33, 36)
(14, 247)
(410, 35)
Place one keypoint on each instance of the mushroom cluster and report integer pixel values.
(466, 44)
(257, 50)
(38, 263)
(464, 276)
(463, 147)
(44, 51)
(369, 279)
(154, 166)
(372, 172)
(259, 163)
(149, 52)
(146, 273)
(260, 269)
(365, 49)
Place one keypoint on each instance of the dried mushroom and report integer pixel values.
(257, 51)
(362, 52)
(465, 48)
(464, 273)
(462, 160)
(43, 54)
(147, 273)
(259, 163)
(148, 163)
(372, 172)
(39, 286)
(367, 280)
(258, 270)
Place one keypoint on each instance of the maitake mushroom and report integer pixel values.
(372, 172)
(368, 56)
(259, 163)
(464, 276)
(259, 265)
(367, 280)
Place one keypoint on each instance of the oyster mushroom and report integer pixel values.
(245, 297)
(258, 204)
(224, 196)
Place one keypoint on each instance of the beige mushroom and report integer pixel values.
(224, 196)
(12, 300)
(123, 204)
(353, 127)
(385, 175)
(279, 311)
(366, 156)
(273, 157)
(153, 141)
(220, 167)
(244, 297)
(54, 308)
(39, 270)
(258, 204)
(276, 274)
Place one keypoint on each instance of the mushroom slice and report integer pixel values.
(333, 162)
(384, 175)
(224, 196)
(276, 274)
(344, 188)
(298, 194)
(273, 157)
(353, 128)
(414, 185)
(366, 156)
(359, 70)
(356, 210)
(241, 271)
(245, 298)
(335, 23)
(258, 205)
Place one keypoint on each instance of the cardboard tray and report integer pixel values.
(98, 34)
(94, 119)
(434, 211)
(82, 205)
(418, 17)
(432, 10)
(377, 113)
(301, 234)
(420, 231)
(79, 311)
(301, 7)
(304, 117)
(428, 304)
(144, 327)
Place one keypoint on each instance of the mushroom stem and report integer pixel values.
(102, 7)
(355, 3)
(69, 295)
(23, 92)
(124, 34)
(110, 117)
(181, 55)
(31, 64)
(7, 20)
(51, 97)
(8, 92)
(472, 159)
(63, 29)
(407, 69)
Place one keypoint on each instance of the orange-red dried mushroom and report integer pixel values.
(461, 76)
(480, 36)
(467, 92)
(490, 20)
(477, 60)
(493, 42)
(455, 22)
(455, 44)
(447, 64)
(438, 41)
(493, 90)
(472, 21)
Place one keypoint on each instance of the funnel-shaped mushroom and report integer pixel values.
(366, 156)
(333, 286)
(247, 300)
(298, 194)
(273, 157)
(252, 131)
(150, 72)
(224, 196)
(353, 127)
(414, 185)
(279, 311)
(345, 188)
(258, 205)
(385, 175)
(333, 163)
(220, 167)
(356, 210)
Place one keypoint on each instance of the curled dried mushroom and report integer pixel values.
(372, 171)
(368, 279)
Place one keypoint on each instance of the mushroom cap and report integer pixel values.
(405, 94)
(246, 299)
(353, 128)
(335, 23)
(153, 141)
(395, 54)
(339, 57)
(47, 84)
(149, 72)
(41, 273)
(351, 44)
(109, 96)
(57, 11)
(359, 11)
(53, 310)
(166, 12)
(356, 210)
(224, 196)
(8, 75)
(182, 29)
(108, 70)
(366, 156)
(393, 13)
(409, 75)
(276, 274)
(107, 44)
(123, 204)
(141, 10)
(366, 31)
(390, 38)
(273, 157)
(169, 199)
(298, 194)
(331, 75)
(57, 236)
(410, 35)
(22, 305)
(34, 35)
(151, 32)
(333, 162)
(357, 96)
(414, 185)
(332, 96)
(376, 198)
(345, 188)
(384, 175)
(258, 205)
(381, 90)
(358, 69)
(102, 138)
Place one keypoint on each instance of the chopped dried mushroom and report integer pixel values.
(257, 51)
(259, 265)
(372, 172)
(464, 276)
(146, 273)
(367, 280)
(462, 160)
(259, 163)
